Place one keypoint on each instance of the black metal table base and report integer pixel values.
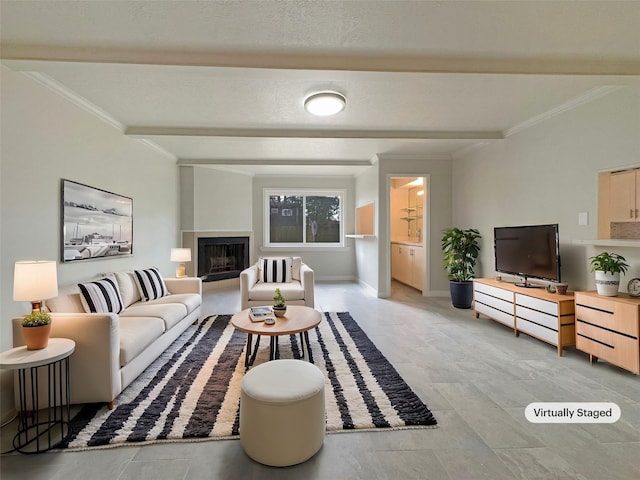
(42, 430)
(274, 348)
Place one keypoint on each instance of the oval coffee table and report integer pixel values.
(298, 319)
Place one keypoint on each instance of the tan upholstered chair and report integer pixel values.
(254, 291)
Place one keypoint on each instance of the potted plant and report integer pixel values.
(608, 267)
(460, 249)
(36, 328)
(279, 304)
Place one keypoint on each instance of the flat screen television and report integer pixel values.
(531, 251)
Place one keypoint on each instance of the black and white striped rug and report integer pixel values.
(192, 391)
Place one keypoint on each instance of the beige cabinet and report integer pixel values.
(624, 196)
(609, 328)
(408, 264)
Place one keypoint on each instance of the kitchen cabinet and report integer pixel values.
(408, 264)
(624, 196)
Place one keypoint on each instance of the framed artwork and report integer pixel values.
(95, 223)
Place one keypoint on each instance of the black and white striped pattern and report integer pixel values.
(181, 395)
(150, 284)
(276, 270)
(101, 296)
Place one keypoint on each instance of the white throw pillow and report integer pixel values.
(101, 296)
(275, 270)
(150, 284)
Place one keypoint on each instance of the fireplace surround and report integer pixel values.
(220, 258)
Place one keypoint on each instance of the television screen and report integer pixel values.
(531, 251)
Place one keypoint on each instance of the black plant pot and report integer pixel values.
(461, 294)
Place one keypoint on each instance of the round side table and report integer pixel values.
(41, 430)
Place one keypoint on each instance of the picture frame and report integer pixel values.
(95, 223)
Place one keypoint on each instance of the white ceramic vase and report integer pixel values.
(607, 283)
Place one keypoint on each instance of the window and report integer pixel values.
(303, 217)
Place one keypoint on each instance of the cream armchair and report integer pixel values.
(299, 291)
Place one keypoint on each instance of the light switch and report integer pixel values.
(583, 218)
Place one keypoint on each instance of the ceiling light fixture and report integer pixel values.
(325, 103)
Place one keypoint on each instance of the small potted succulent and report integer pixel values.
(607, 268)
(279, 304)
(36, 328)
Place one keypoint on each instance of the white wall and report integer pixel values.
(328, 263)
(366, 249)
(46, 138)
(438, 204)
(548, 174)
(222, 200)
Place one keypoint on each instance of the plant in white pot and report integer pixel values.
(608, 267)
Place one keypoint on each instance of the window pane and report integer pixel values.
(323, 219)
(285, 219)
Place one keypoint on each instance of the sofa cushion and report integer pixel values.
(101, 296)
(128, 288)
(275, 270)
(67, 301)
(265, 291)
(170, 313)
(150, 284)
(189, 300)
(136, 334)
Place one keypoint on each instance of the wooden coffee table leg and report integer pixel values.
(301, 345)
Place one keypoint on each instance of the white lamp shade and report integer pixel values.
(180, 254)
(35, 280)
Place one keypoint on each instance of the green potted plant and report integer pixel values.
(36, 328)
(460, 250)
(279, 304)
(608, 267)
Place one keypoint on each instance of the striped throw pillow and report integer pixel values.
(150, 284)
(276, 270)
(101, 296)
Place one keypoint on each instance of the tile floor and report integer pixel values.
(473, 374)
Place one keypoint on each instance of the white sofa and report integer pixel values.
(113, 349)
(299, 291)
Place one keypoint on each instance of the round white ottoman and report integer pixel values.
(282, 417)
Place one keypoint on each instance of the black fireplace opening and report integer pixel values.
(220, 258)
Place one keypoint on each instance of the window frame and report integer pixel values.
(302, 192)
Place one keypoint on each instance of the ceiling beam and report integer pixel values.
(538, 65)
(139, 131)
(274, 162)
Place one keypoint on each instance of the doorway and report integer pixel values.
(408, 197)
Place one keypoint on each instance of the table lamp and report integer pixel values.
(35, 281)
(181, 255)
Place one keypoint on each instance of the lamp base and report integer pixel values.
(181, 271)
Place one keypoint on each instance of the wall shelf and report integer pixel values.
(351, 235)
(609, 242)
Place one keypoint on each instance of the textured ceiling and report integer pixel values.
(222, 83)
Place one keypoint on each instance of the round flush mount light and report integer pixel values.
(325, 103)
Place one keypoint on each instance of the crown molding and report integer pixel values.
(74, 98)
(590, 96)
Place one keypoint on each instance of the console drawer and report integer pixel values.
(622, 318)
(609, 346)
(538, 331)
(550, 308)
(494, 313)
(537, 317)
(493, 291)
